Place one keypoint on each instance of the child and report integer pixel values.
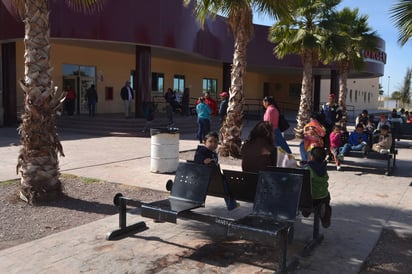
(205, 155)
(370, 127)
(319, 175)
(358, 141)
(385, 141)
(383, 121)
(335, 139)
(313, 133)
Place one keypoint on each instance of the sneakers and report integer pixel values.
(338, 168)
(341, 157)
(325, 215)
(364, 143)
(384, 151)
(305, 213)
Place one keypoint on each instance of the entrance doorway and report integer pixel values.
(80, 78)
(80, 84)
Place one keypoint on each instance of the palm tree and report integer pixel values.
(401, 14)
(239, 17)
(303, 35)
(349, 37)
(405, 90)
(38, 163)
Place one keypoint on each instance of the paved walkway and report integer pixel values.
(364, 201)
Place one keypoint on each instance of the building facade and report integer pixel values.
(156, 44)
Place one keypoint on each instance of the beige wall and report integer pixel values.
(366, 90)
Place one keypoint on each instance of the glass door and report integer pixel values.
(80, 78)
(84, 84)
(72, 82)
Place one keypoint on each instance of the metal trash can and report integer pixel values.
(164, 150)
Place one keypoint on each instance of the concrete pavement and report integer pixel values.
(364, 201)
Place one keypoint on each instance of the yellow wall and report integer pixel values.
(194, 74)
(115, 68)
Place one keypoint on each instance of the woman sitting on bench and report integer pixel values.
(258, 151)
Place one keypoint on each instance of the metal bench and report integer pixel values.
(275, 203)
(306, 205)
(389, 157)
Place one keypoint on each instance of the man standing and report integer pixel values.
(332, 114)
(127, 96)
(223, 105)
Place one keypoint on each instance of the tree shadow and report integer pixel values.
(67, 202)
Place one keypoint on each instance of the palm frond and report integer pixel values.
(401, 15)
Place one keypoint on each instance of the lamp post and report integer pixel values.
(389, 78)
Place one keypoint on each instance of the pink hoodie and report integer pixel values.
(335, 139)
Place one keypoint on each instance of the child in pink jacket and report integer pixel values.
(335, 139)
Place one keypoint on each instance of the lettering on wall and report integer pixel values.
(376, 55)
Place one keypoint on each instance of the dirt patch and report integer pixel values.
(82, 202)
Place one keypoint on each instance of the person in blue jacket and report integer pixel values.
(203, 119)
(358, 141)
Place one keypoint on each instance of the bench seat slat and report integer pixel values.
(167, 210)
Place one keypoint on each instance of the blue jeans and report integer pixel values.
(281, 142)
(203, 128)
(303, 153)
(348, 147)
(92, 108)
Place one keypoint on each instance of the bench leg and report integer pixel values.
(317, 237)
(388, 168)
(394, 160)
(283, 244)
(122, 212)
(121, 203)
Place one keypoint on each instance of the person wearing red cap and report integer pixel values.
(223, 105)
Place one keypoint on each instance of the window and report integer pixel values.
(131, 78)
(294, 90)
(179, 83)
(350, 96)
(209, 85)
(77, 70)
(158, 80)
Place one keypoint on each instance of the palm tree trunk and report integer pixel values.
(305, 105)
(232, 125)
(38, 160)
(343, 91)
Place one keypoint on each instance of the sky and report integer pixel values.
(398, 58)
